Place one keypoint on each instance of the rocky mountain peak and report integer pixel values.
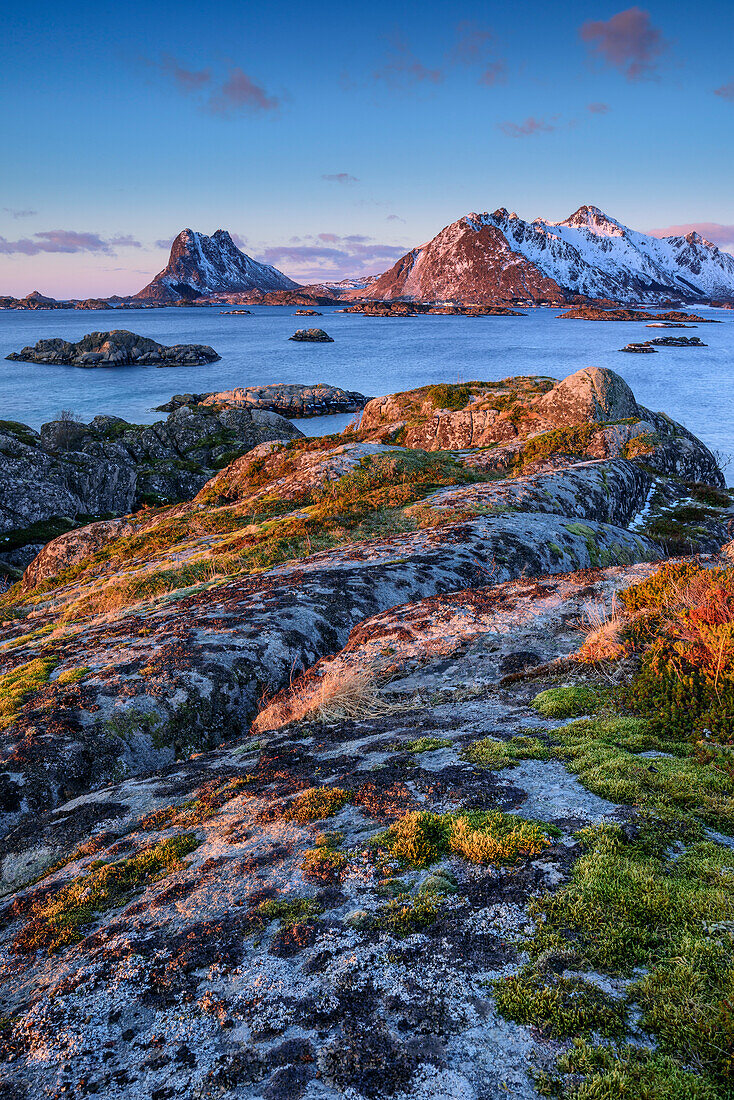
(595, 220)
(200, 265)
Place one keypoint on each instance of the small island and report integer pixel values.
(118, 348)
(312, 336)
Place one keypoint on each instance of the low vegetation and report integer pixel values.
(60, 919)
(420, 837)
(16, 686)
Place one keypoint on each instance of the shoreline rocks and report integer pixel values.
(118, 348)
(291, 400)
(71, 473)
(648, 346)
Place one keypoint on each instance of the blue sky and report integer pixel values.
(330, 138)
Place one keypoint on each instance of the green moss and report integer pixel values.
(59, 919)
(559, 1006)
(19, 684)
(317, 803)
(71, 675)
(289, 911)
(572, 441)
(663, 903)
(566, 702)
(427, 744)
(492, 753)
(624, 1073)
(604, 753)
(421, 838)
(403, 918)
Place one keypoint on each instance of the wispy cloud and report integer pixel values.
(726, 91)
(598, 108)
(220, 94)
(403, 69)
(495, 73)
(340, 177)
(529, 127)
(472, 42)
(628, 42)
(66, 240)
(476, 46)
(722, 235)
(394, 218)
(19, 213)
(239, 92)
(187, 80)
(330, 256)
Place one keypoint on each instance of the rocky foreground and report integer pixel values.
(391, 764)
(118, 348)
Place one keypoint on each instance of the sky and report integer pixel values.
(330, 138)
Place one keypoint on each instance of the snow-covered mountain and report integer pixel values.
(199, 266)
(501, 256)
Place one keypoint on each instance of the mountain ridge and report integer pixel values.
(589, 254)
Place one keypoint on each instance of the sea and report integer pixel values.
(374, 355)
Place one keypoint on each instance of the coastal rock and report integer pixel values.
(308, 313)
(641, 349)
(593, 395)
(114, 349)
(291, 400)
(312, 336)
(79, 471)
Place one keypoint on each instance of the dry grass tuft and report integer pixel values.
(344, 693)
(603, 633)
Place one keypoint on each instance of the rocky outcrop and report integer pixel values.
(312, 336)
(292, 400)
(201, 266)
(591, 313)
(118, 348)
(526, 421)
(594, 395)
(645, 348)
(74, 471)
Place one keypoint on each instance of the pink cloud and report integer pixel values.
(403, 68)
(495, 73)
(527, 128)
(628, 41)
(472, 42)
(239, 92)
(331, 256)
(187, 80)
(340, 177)
(713, 231)
(65, 240)
(598, 108)
(726, 91)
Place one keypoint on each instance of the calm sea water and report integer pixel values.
(370, 354)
